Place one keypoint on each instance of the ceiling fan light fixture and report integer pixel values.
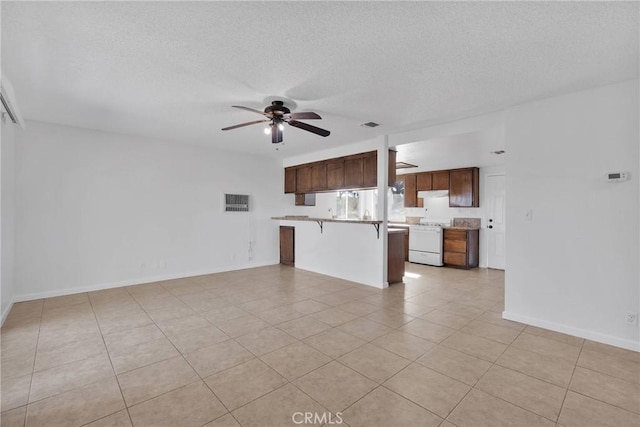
(276, 115)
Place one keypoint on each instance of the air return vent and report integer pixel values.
(236, 203)
(370, 124)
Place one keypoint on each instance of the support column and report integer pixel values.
(383, 210)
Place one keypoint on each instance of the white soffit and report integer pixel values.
(173, 69)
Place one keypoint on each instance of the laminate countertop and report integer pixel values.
(307, 218)
(454, 227)
(396, 230)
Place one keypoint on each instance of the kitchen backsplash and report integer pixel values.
(466, 222)
(413, 219)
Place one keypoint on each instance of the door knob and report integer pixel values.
(491, 226)
(490, 220)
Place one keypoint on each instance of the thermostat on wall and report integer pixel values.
(617, 176)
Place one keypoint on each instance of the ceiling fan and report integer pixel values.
(277, 114)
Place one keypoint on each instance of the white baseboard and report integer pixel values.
(131, 282)
(6, 311)
(577, 332)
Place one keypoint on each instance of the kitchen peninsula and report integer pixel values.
(347, 249)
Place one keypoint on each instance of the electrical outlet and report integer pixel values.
(631, 318)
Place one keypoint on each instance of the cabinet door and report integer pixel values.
(423, 181)
(463, 188)
(319, 176)
(410, 192)
(455, 248)
(395, 257)
(335, 174)
(455, 259)
(392, 168)
(440, 180)
(353, 172)
(303, 179)
(370, 170)
(287, 245)
(290, 180)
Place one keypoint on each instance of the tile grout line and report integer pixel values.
(198, 374)
(379, 308)
(473, 387)
(183, 358)
(497, 397)
(110, 361)
(33, 366)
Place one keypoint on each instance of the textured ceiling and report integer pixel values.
(173, 69)
(455, 151)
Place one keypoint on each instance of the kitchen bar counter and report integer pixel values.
(340, 248)
(306, 218)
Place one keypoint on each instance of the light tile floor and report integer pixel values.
(255, 347)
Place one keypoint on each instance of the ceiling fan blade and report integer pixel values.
(305, 116)
(253, 110)
(309, 128)
(245, 124)
(276, 135)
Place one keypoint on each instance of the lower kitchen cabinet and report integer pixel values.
(461, 248)
(395, 256)
(287, 245)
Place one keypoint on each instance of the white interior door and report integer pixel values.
(495, 187)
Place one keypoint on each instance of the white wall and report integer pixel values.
(7, 185)
(438, 208)
(574, 268)
(93, 207)
(347, 251)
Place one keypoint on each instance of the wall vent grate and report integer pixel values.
(370, 124)
(236, 203)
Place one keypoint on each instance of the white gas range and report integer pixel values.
(425, 242)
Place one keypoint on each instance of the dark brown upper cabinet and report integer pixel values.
(440, 180)
(303, 179)
(410, 190)
(319, 176)
(423, 181)
(370, 169)
(392, 168)
(290, 180)
(464, 188)
(335, 174)
(354, 171)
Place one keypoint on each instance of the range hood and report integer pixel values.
(433, 193)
